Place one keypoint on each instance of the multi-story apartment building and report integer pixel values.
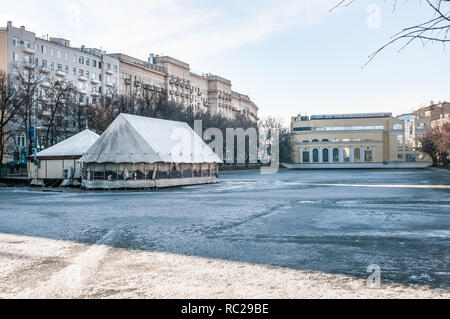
(349, 138)
(91, 71)
(95, 73)
(174, 78)
(435, 114)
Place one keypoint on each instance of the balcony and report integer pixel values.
(45, 84)
(28, 51)
(83, 91)
(95, 82)
(109, 84)
(95, 94)
(28, 65)
(82, 78)
(45, 70)
(109, 71)
(60, 73)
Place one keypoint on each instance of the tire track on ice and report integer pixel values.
(68, 282)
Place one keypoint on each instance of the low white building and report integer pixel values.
(143, 152)
(59, 165)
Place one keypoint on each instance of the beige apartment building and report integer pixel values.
(351, 138)
(435, 114)
(173, 77)
(90, 70)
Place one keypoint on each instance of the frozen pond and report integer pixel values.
(290, 219)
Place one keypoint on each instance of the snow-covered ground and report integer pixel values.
(317, 228)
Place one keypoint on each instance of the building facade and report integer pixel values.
(95, 73)
(173, 77)
(90, 70)
(350, 138)
(434, 115)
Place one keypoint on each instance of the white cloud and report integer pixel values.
(181, 28)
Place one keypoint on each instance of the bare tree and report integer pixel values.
(435, 29)
(436, 143)
(53, 112)
(29, 78)
(9, 100)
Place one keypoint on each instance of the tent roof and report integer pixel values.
(137, 139)
(76, 145)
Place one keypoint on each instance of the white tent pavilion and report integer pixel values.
(143, 152)
(60, 162)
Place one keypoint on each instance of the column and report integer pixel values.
(361, 154)
(301, 155)
(330, 155)
(352, 155)
(320, 155)
(341, 154)
(373, 154)
(310, 155)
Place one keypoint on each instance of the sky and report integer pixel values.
(290, 56)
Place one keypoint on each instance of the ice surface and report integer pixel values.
(267, 219)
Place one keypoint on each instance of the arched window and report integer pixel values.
(316, 155)
(315, 141)
(357, 155)
(335, 155)
(325, 155)
(325, 140)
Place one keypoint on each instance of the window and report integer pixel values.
(74, 58)
(94, 76)
(316, 155)
(81, 60)
(301, 129)
(74, 71)
(325, 155)
(15, 57)
(357, 155)
(67, 69)
(81, 72)
(368, 156)
(99, 65)
(26, 59)
(115, 68)
(66, 56)
(400, 156)
(87, 74)
(15, 42)
(398, 127)
(44, 49)
(306, 157)
(315, 141)
(335, 155)
(87, 61)
(58, 54)
(59, 67)
(108, 66)
(27, 44)
(52, 66)
(94, 63)
(52, 52)
(44, 63)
